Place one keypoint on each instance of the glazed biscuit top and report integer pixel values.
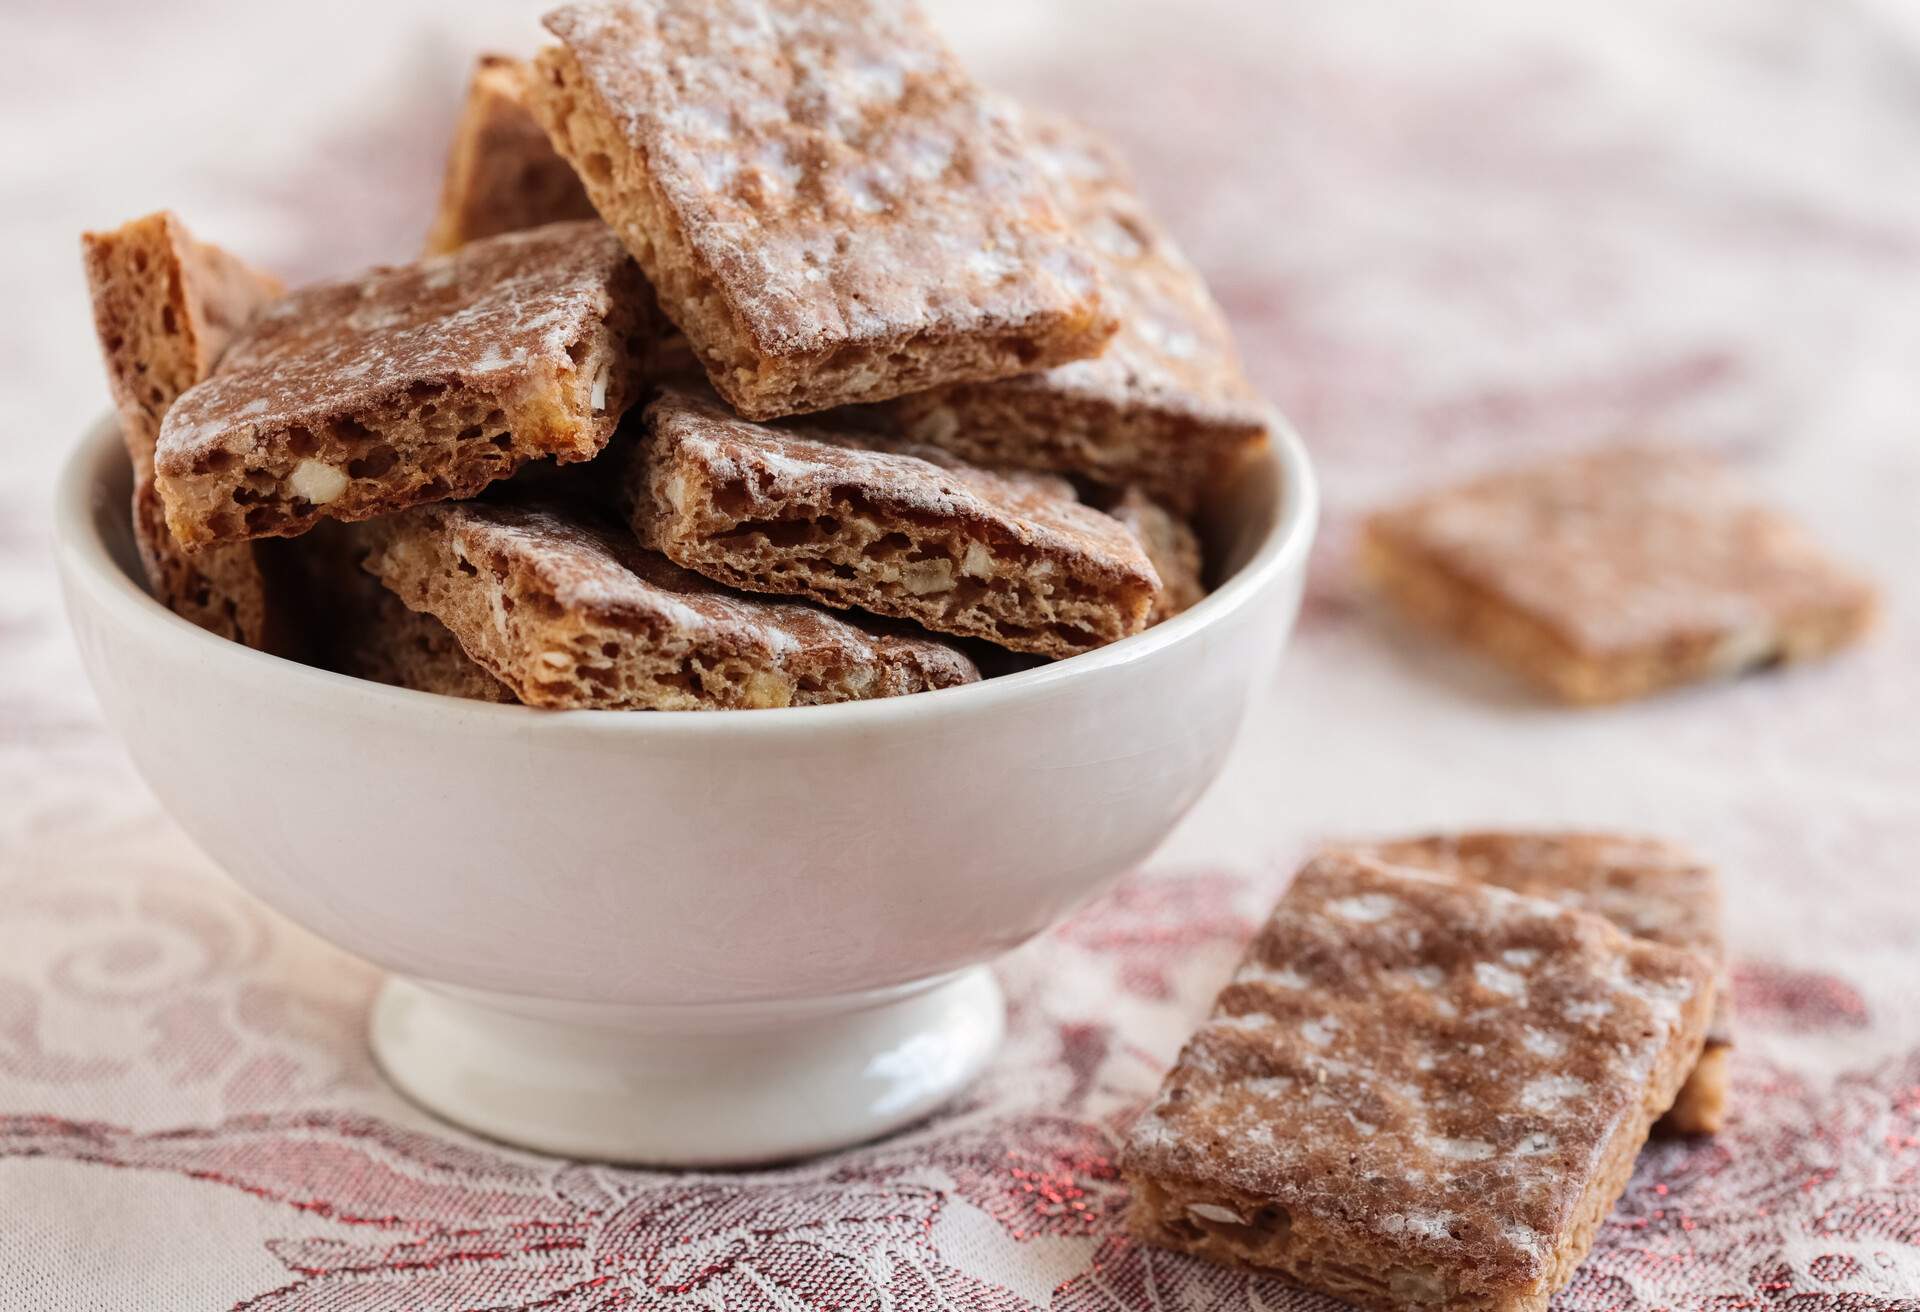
(809, 465)
(1622, 549)
(1649, 887)
(1436, 1063)
(494, 314)
(841, 177)
(1174, 348)
(605, 574)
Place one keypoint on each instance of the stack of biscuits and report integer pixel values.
(1427, 1082)
(759, 358)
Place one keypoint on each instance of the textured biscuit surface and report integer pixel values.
(1650, 888)
(503, 174)
(1611, 575)
(1165, 407)
(165, 307)
(362, 629)
(356, 398)
(1171, 545)
(569, 613)
(827, 206)
(1417, 1091)
(233, 589)
(897, 529)
(406, 648)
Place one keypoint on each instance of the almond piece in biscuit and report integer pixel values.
(898, 529)
(406, 385)
(1166, 407)
(570, 613)
(828, 207)
(502, 173)
(1650, 888)
(165, 307)
(1172, 546)
(1612, 575)
(1417, 1092)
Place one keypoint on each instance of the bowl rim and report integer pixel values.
(82, 556)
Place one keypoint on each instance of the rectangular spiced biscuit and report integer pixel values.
(362, 629)
(503, 175)
(828, 207)
(1653, 889)
(570, 613)
(165, 306)
(1611, 575)
(420, 383)
(1417, 1092)
(1166, 407)
(1171, 545)
(406, 648)
(898, 529)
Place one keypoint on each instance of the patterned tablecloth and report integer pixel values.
(1451, 236)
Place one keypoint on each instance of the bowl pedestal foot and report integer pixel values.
(698, 1086)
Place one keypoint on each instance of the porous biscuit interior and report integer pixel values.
(222, 589)
(567, 615)
(1171, 545)
(405, 648)
(1014, 559)
(355, 399)
(803, 244)
(1615, 574)
(625, 194)
(503, 174)
(1018, 423)
(165, 307)
(1417, 1091)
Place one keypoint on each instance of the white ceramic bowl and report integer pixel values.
(705, 938)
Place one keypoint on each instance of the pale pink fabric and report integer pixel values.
(1450, 235)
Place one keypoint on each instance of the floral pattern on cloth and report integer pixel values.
(1450, 237)
(1008, 1200)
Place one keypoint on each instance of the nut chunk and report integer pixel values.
(165, 307)
(895, 529)
(1166, 406)
(1612, 575)
(1417, 1091)
(421, 383)
(1651, 889)
(569, 614)
(828, 207)
(502, 173)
